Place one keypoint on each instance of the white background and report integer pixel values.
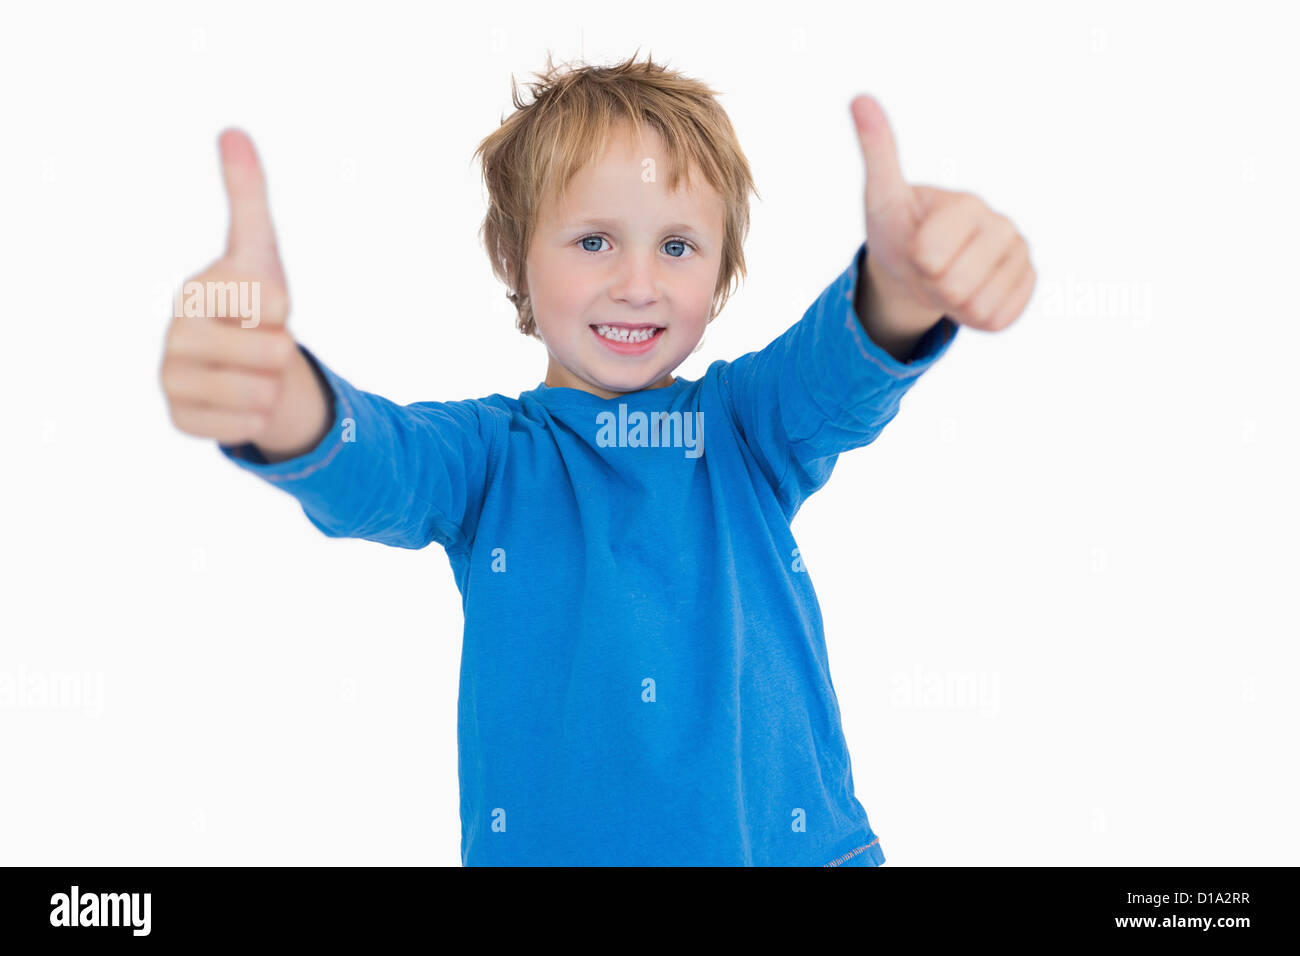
(1059, 590)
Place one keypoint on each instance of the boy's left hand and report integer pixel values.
(933, 252)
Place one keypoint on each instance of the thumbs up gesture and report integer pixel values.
(932, 252)
(250, 242)
(230, 369)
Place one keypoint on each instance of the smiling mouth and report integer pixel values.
(624, 339)
(626, 329)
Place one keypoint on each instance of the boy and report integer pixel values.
(644, 677)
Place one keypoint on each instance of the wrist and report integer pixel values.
(301, 418)
(893, 319)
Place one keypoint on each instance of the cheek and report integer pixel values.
(701, 303)
(563, 294)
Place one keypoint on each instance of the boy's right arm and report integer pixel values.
(403, 475)
(360, 465)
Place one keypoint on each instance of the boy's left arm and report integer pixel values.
(934, 253)
(833, 380)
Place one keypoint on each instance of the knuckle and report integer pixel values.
(175, 341)
(1006, 312)
(981, 310)
(171, 380)
(261, 395)
(1026, 281)
(1019, 251)
(278, 350)
(255, 426)
(923, 256)
(952, 289)
(275, 303)
(180, 418)
(1004, 229)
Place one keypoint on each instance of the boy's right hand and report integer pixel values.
(241, 378)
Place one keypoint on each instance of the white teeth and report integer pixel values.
(623, 335)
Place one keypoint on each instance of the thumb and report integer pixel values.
(885, 183)
(251, 233)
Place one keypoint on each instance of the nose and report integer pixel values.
(636, 283)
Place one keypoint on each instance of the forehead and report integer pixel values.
(631, 175)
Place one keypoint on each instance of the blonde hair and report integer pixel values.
(543, 144)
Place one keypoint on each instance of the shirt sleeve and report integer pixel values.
(402, 475)
(821, 388)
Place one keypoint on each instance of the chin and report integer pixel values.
(626, 382)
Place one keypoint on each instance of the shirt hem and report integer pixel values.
(874, 856)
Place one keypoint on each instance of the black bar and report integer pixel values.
(217, 905)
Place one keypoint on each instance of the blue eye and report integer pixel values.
(668, 242)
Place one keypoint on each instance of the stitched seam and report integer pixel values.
(855, 328)
(852, 853)
(854, 324)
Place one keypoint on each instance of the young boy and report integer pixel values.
(644, 677)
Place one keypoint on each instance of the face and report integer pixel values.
(619, 251)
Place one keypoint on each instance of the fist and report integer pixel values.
(933, 252)
(228, 354)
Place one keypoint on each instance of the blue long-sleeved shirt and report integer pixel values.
(644, 676)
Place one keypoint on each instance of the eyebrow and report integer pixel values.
(608, 223)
